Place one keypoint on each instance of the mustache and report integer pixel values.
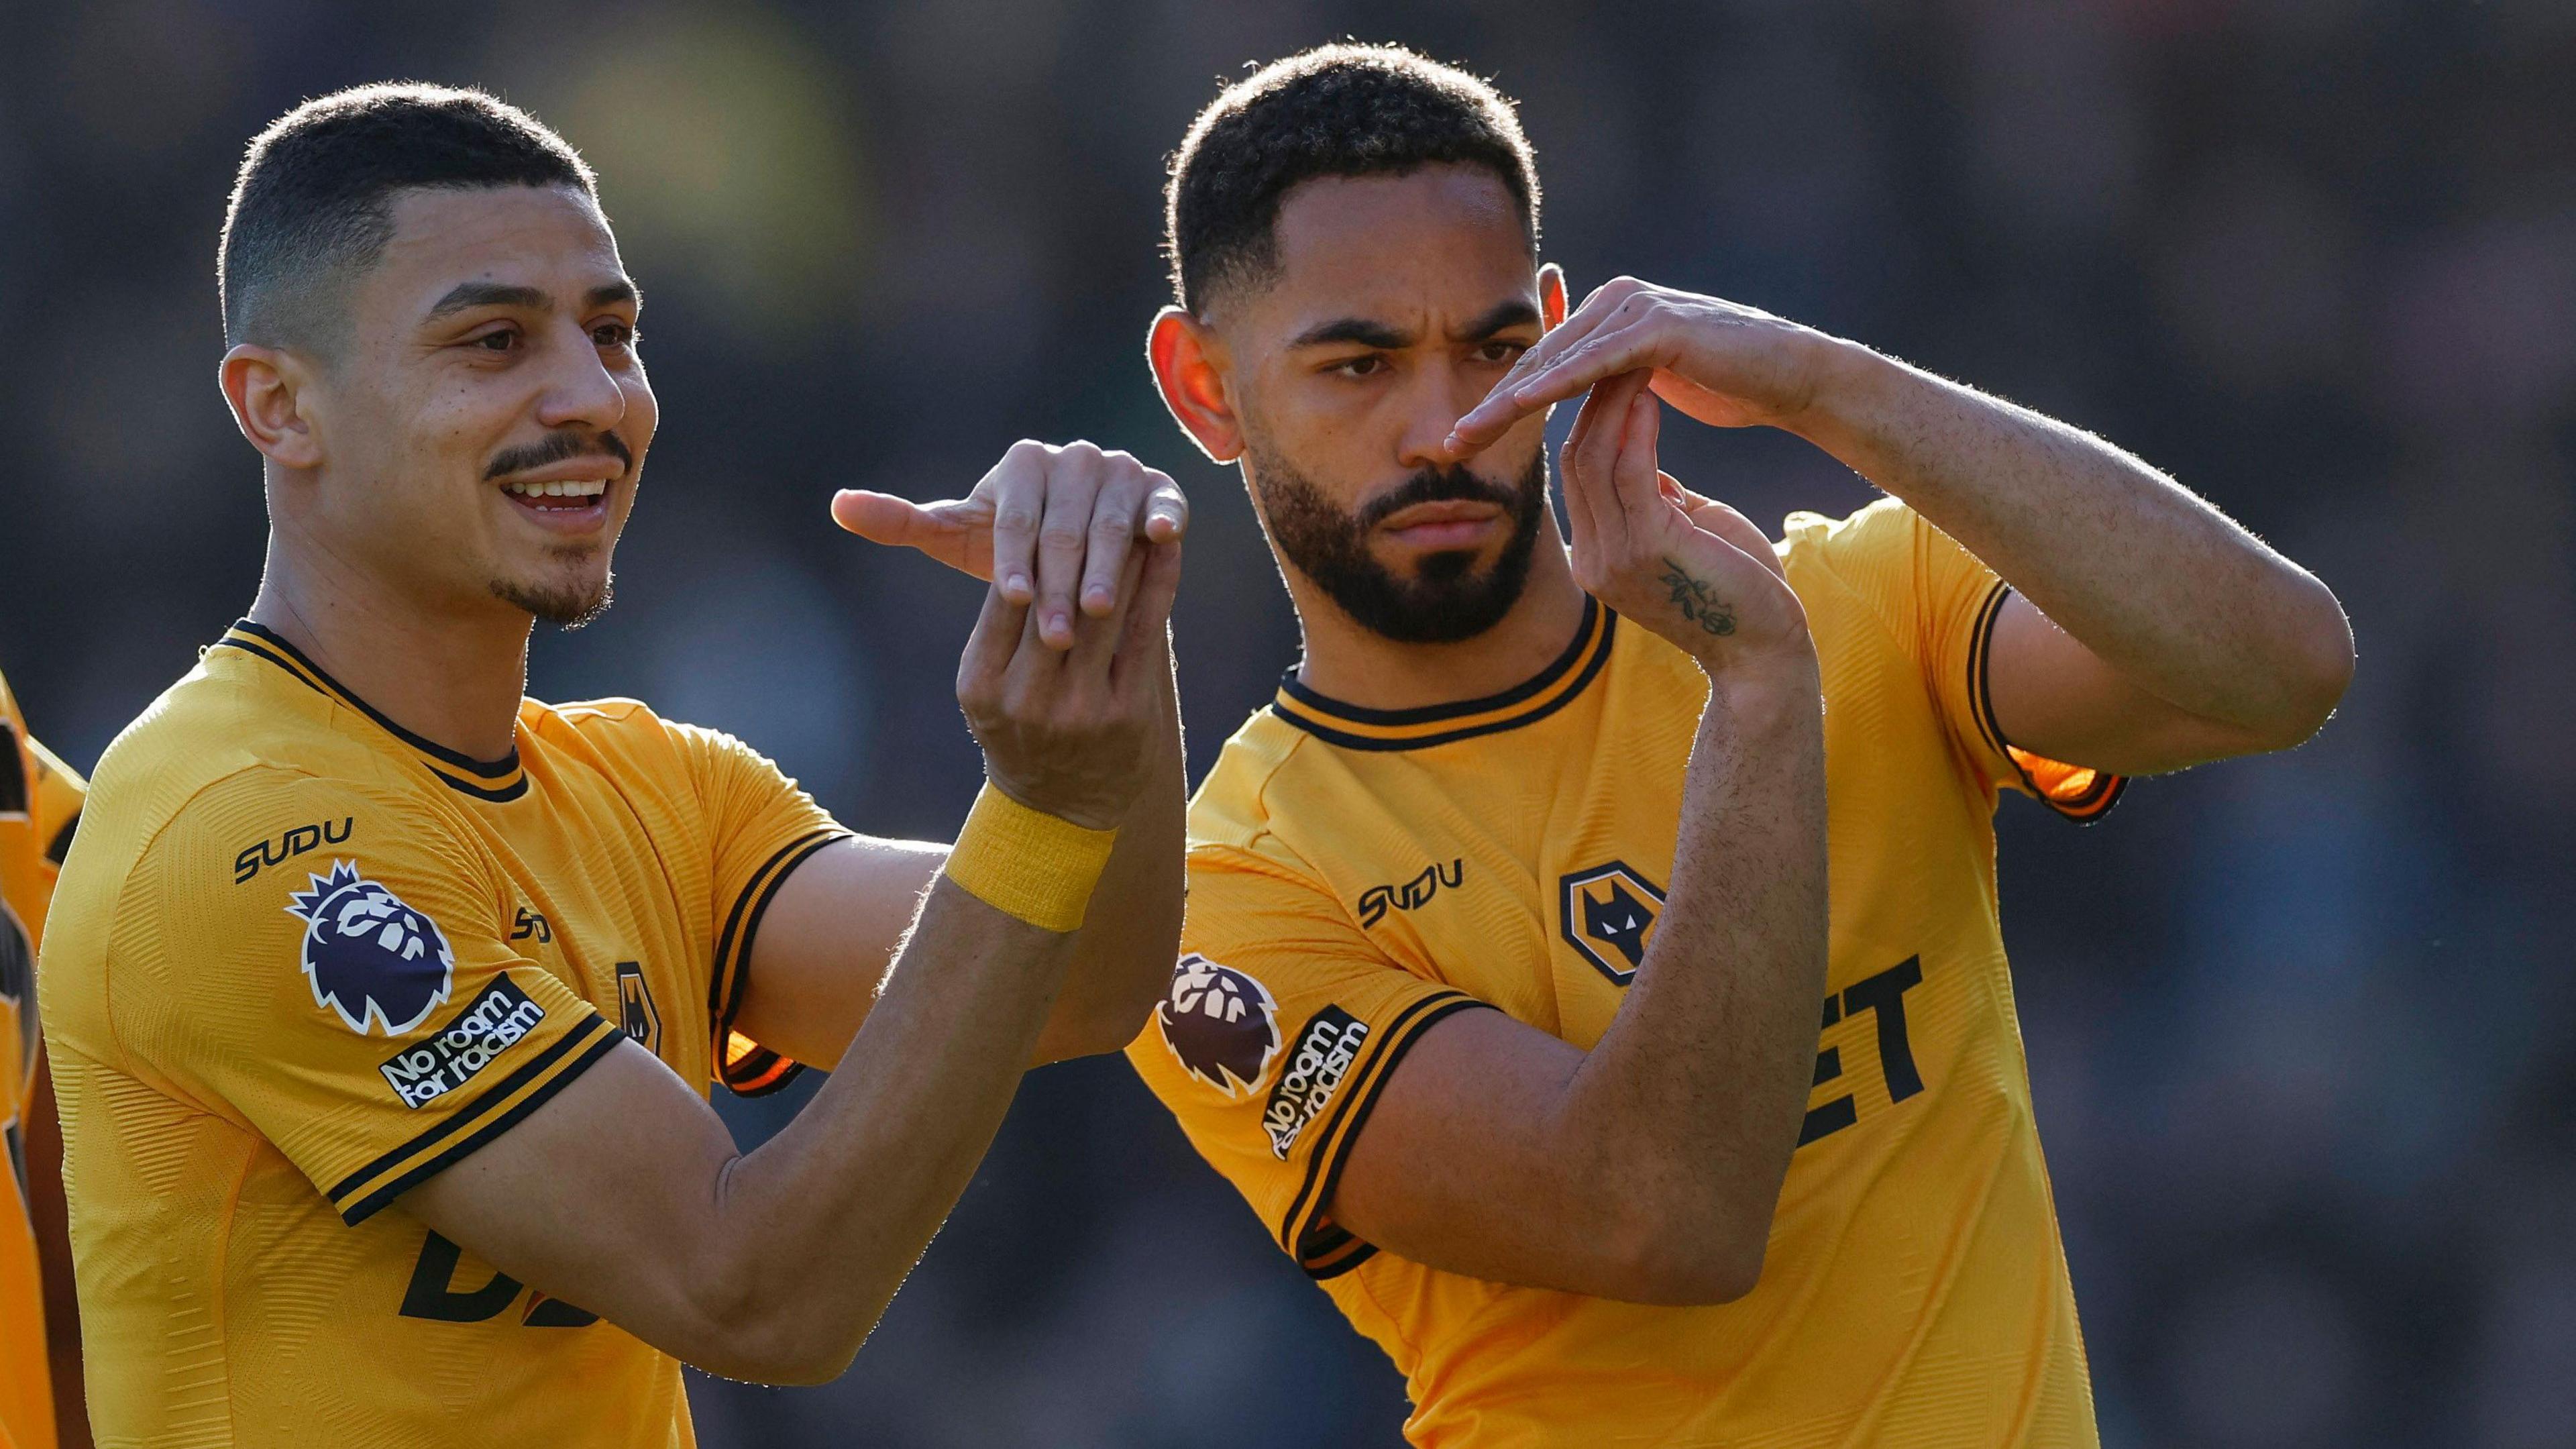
(557, 447)
(1436, 485)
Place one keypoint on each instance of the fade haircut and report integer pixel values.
(313, 205)
(1336, 110)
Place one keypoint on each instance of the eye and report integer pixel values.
(1369, 365)
(1500, 354)
(613, 334)
(500, 339)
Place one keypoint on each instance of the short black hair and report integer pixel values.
(1336, 110)
(314, 201)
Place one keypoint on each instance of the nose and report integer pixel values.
(1435, 397)
(580, 390)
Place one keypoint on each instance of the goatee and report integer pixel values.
(1447, 599)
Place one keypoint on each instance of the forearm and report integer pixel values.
(2184, 603)
(816, 1229)
(1692, 1098)
(1122, 956)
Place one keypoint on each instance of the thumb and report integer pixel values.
(881, 517)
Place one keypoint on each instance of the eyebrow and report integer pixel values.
(1361, 331)
(467, 295)
(1358, 330)
(1502, 318)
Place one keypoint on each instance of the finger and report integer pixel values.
(1714, 517)
(1073, 481)
(1599, 310)
(1606, 354)
(1593, 465)
(1167, 510)
(1035, 668)
(1579, 494)
(1595, 312)
(1147, 618)
(1017, 489)
(1115, 522)
(996, 637)
(1096, 636)
(957, 532)
(881, 517)
(1633, 473)
(1584, 485)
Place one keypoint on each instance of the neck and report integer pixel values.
(1357, 666)
(454, 678)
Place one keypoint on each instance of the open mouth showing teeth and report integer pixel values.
(570, 493)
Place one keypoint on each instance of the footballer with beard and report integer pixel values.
(1593, 975)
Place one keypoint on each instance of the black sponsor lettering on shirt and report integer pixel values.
(1883, 997)
(253, 858)
(1412, 895)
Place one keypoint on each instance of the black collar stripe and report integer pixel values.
(499, 780)
(1354, 727)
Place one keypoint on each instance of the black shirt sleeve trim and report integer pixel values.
(2106, 789)
(600, 1040)
(1318, 1246)
(763, 1071)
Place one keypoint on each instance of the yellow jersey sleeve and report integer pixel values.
(328, 966)
(762, 827)
(1940, 604)
(1281, 1026)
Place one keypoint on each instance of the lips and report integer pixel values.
(1446, 524)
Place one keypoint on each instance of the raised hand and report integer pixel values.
(1690, 568)
(1069, 731)
(1722, 363)
(1045, 523)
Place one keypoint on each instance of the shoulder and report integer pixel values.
(612, 724)
(622, 740)
(627, 728)
(206, 751)
(1234, 806)
(1885, 528)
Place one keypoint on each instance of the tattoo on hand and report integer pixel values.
(1695, 601)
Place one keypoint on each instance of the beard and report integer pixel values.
(1447, 599)
(567, 606)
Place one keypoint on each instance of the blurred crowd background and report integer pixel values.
(2302, 1029)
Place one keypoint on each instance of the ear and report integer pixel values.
(265, 387)
(1551, 297)
(1188, 371)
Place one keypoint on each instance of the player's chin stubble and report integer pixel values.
(567, 605)
(1446, 600)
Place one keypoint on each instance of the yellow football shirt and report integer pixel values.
(1356, 875)
(302, 960)
(40, 801)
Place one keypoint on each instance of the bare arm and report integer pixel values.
(1647, 1168)
(775, 1264)
(2184, 637)
(830, 936)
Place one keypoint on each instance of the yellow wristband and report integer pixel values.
(1027, 863)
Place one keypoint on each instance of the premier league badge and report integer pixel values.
(1220, 1024)
(375, 961)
